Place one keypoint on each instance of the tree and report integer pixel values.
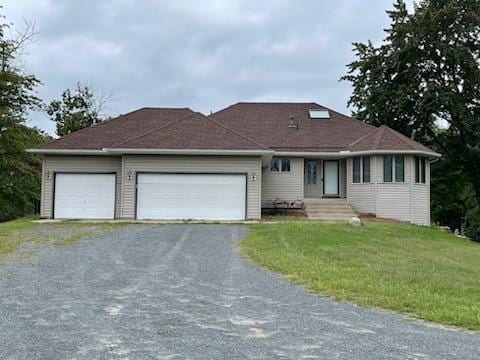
(77, 109)
(426, 73)
(19, 171)
(17, 95)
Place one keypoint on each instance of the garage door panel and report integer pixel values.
(84, 196)
(191, 196)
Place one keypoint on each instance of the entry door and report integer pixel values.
(330, 177)
(313, 183)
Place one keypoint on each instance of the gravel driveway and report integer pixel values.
(183, 292)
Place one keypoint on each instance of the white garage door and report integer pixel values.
(191, 196)
(84, 196)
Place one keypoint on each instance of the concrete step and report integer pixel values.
(333, 207)
(329, 209)
(328, 218)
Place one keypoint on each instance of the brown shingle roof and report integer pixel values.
(385, 138)
(241, 126)
(120, 129)
(268, 124)
(193, 132)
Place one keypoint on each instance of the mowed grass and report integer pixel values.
(17, 232)
(411, 269)
(9, 238)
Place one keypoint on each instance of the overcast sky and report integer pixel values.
(202, 54)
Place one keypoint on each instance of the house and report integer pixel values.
(164, 163)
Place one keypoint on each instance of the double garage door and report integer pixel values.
(159, 196)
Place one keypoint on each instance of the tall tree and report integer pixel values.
(77, 109)
(426, 73)
(17, 94)
(19, 171)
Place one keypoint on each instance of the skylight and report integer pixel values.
(319, 114)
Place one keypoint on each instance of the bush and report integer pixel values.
(472, 228)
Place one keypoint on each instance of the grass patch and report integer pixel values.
(17, 232)
(10, 233)
(411, 269)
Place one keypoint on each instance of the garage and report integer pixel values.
(84, 196)
(191, 196)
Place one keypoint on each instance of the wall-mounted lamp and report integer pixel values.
(130, 174)
(48, 175)
(253, 177)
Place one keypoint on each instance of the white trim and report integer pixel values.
(67, 152)
(347, 154)
(120, 151)
(311, 154)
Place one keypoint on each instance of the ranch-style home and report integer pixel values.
(174, 163)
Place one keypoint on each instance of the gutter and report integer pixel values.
(265, 153)
(348, 153)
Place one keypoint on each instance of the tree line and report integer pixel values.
(422, 80)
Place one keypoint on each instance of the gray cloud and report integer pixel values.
(202, 54)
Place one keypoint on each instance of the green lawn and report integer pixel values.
(416, 270)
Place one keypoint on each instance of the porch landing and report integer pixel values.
(328, 209)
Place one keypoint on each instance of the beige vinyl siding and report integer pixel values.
(342, 180)
(316, 190)
(361, 195)
(405, 201)
(393, 199)
(283, 185)
(81, 164)
(192, 164)
(421, 198)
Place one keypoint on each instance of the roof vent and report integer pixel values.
(291, 123)
(319, 114)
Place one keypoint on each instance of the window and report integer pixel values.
(312, 172)
(399, 169)
(274, 166)
(361, 169)
(366, 169)
(420, 167)
(285, 165)
(356, 170)
(393, 168)
(387, 168)
(280, 164)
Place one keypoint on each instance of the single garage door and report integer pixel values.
(191, 196)
(84, 196)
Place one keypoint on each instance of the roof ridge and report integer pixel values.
(363, 137)
(237, 133)
(224, 109)
(400, 136)
(104, 122)
(381, 131)
(159, 128)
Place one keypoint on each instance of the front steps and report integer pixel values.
(328, 209)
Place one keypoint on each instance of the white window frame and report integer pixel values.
(280, 160)
(421, 171)
(394, 169)
(361, 158)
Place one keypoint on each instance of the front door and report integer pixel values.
(313, 183)
(330, 178)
